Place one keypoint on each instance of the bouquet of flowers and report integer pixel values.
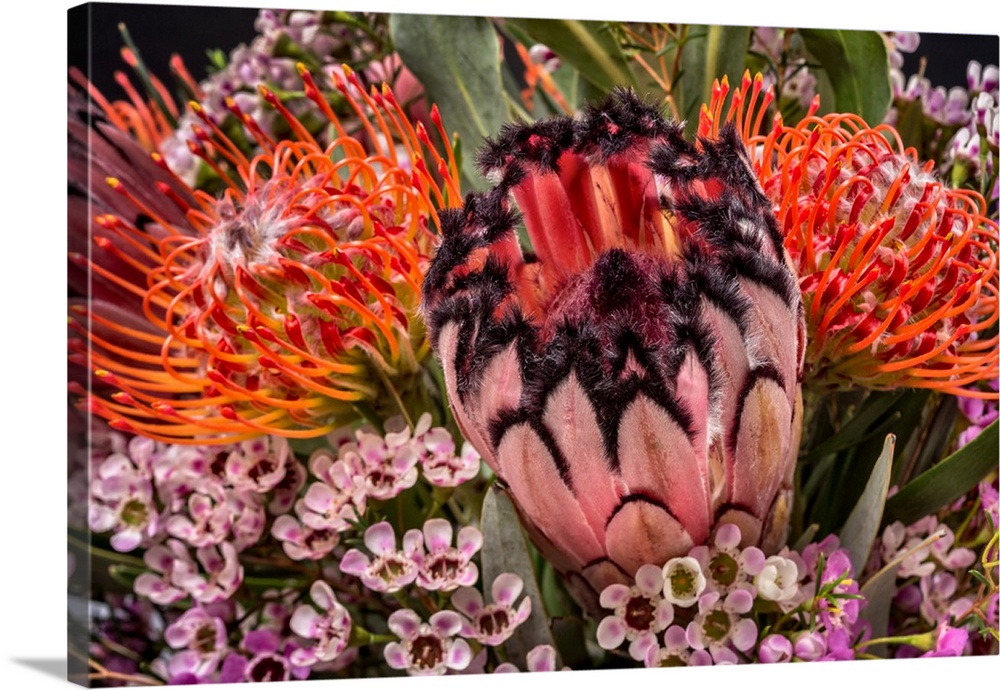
(560, 344)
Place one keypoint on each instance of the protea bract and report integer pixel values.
(634, 379)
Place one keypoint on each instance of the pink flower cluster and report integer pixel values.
(700, 609)
(368, 467)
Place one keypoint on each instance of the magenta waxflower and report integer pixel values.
(675, 650)
(810, 645)
(718, 628)
(122, 499)
(331, 627)
(302, 542)
(634, 380)
(775, 649)
(492, 624)
(259, 464)
(427, 649)
(388, 569)
(948, 641)
(443, 567)
(640, 612)
(174, 575)
(201, 639)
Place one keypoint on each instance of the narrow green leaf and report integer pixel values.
(457, 59)
(859, 531)
(505, 551)
(586, 45)
(870, 411)
(806, 537)
(858, 67)
(710, 53)
(950, 479)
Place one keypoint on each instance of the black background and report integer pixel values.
(161, 30)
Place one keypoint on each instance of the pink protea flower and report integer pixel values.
(492, 624)
(427, 649)
(443, 567)
(388, 569)
(331, 628)
(634, 381)
(640, 612)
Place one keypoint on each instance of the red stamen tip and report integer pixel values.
(121, 425)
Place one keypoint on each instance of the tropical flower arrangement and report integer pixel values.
(559, 345)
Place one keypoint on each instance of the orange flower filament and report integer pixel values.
(286, 301)
(898, 271)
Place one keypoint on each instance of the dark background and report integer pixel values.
(161, 30)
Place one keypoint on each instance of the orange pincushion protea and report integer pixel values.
(282, 305)
(898, 271)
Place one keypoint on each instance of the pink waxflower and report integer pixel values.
(683, 581)
(718, 629)
(215, 576)
(948, 641)
(259, 464)
(809, 645)
(438, 462)
(541, 659)
(492, 624)
(778, 580)
(287, 490)
(443, 567)
(384, 469)
(157, 584)
(270, 660)
(728, 567)
(388, 569)
(201, 639)
(337, 500)
(675, 650)
(640, 612)
(302, 542)
(427, 649)
(122, 500)
(331, 627)
(775, 649)
(214, 513)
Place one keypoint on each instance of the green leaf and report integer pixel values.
(457, 59)
(505, 551)
(859, 531)
(858, 68)
(950, 479)
(586, 45)
(852, 433)
(710, 53)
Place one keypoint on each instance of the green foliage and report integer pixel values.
(457, 59)
(862, 526)
(588, 46)
(857, 65)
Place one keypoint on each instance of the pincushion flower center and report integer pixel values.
(639, 613)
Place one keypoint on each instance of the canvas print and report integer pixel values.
(557, 344)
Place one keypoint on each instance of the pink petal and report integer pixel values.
(640, 645)
(405, 623)
(459, 655)
(727, 537)
(470, 540)
(614, 596)
(744, 634)
(354, 562)
(738, 601)
(380, 538)
(664, 614)
(523, 611)
(437, 535)
(446, 623)
(649, 580)
(304, 622)
(323, 595)
(506, 667)
(675, 637)
(753, 560)
(542, 659)
(319, 497)
(610, 633)
(506, 589)
(395, 656)
(467, 600)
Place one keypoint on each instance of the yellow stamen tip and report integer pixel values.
(347, 70)
(301, 68)
(195, 106)
(113, 182)
(725, 80)
(102, 373)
